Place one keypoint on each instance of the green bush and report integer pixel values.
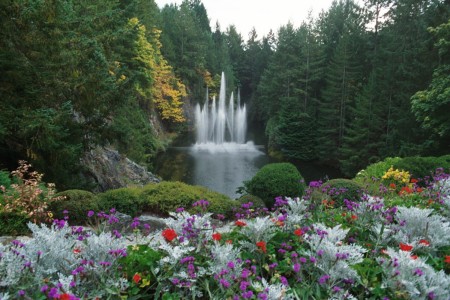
(340, 189)
(77, 202)
(273, 180)
(125, 200)
(376, 170)
(257, 202)
(5, 180)
(14, 223)
(167, 196)
(420, 167)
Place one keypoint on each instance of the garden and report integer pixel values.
(383, 235)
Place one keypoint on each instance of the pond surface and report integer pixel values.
(225, 169)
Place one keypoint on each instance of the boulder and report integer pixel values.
(108, 169)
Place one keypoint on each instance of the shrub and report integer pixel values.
(77, 202)
(420, 167)
(257, 202)
(340, 189)
(376, 170)
(29, 195)
(124, 200)
(167, 196)
(13, 223)
(5, 181)
(273, 180)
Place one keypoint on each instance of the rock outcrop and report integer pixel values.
(107, 169)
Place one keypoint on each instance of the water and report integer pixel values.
(220, 170)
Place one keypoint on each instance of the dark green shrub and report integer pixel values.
(273, 180)
(4, 179)
(14, 223)
(125, 200)
(167, 196)
(257, 202)
(420, 167)
(340, 189)
(77, 202)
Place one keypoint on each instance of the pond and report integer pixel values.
(224, 170)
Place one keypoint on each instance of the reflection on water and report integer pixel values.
(220, 170)
(223, 169)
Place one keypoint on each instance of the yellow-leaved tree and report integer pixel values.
(167, 91)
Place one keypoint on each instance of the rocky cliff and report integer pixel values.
(108, 169)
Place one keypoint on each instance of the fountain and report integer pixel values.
(221, 126)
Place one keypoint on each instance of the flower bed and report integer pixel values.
(300, 249)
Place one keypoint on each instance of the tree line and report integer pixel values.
(351, 86)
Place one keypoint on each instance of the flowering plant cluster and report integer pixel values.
(299, 249)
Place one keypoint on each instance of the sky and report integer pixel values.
(261, 14)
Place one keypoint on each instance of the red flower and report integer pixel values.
(424, 242)
(169, 234)
(240, 223)
(298, 232)
(64, 297)
(405, 190)
(392, 186)
(405, 247)
(76, 251)
(419, 190)
(354, 217)
(414, 257)
(447, 259)
(229, 242)
(413, 180)
(262, 245)
(384, 251)
(217, 236)
(137, 278)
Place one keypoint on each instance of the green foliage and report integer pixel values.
(13, 223)
(257, 201)
(5, 180)
(273, 180)
(167, 196)
(77, 203)
(376, 170)
(125, 200)
(340, 189)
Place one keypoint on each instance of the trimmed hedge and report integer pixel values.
(257, 202)
(164, 197)
(273, 180)
(13, 223)
(77, 202)
(125, 200)
(418, 167)
(340, 189)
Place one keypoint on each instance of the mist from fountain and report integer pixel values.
(221, 126)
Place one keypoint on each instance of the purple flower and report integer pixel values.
(175, 281)
(147, 226)
(224, 283)
(72, 284)
(273, 266)
(53, 293)
(179, 209)
(44, 288)
(112, 210)
(296, 268)
(284, 281)
(302, 260)
(262, 296)
(336, 289)
(320, 252)
(90, 213)
(244, 285)
(418, 272)
(247, 295)
(21, 293)
(312, 259)
(324, 279)
(431, 296)
(245, 273)
(230, 265)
